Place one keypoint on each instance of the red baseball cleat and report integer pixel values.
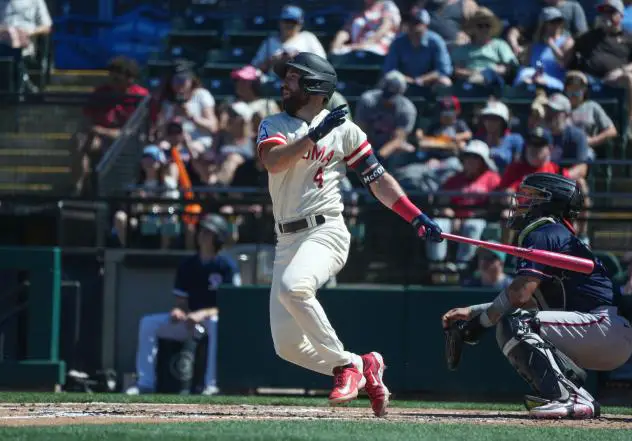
(347, 381)
(375, 388)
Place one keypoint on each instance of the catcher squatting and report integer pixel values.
(551, 324)
(306, 150)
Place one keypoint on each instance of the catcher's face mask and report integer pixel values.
(523, 205)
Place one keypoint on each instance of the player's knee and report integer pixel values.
(511, 328)
(296, 286)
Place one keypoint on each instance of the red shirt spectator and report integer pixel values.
(110, 107)
(478, 178)
(537, 158)
(113, 103)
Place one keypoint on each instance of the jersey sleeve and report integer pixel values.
(181, 285)
(356, 145)
(270, 134)
(538, 240)
(231, 274)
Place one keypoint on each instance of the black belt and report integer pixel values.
(298, 225)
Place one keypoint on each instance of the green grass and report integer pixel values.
(29, 397)
(306, 430)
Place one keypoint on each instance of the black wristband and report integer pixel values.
(313, 135)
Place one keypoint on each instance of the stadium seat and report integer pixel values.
(219, 87)
(325, 23)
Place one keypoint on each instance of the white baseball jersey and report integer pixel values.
(312, 185)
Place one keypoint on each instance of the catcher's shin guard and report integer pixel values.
(550, 373)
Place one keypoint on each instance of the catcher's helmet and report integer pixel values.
(218, 225)
(318, 76)
(545, 194)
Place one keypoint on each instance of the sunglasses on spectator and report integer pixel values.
(538, 143)
(483, 25)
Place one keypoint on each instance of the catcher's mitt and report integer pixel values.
(453, 345)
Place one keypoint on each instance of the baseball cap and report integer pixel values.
(243, 110)
(292, 13)
(540, 133)
(496, 108)
(421, 16)
(393, 83)
(246, 73)
(617, 5)
(450, 104)
(551, 13)
(559, 103)
(154, 152)
(493, 253)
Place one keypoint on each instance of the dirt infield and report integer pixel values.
(108, 413)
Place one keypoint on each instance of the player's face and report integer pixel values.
(523, 201)
(292, 95)
(205, 239)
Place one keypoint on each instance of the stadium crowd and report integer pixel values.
(423, 44)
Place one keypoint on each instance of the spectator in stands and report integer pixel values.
(486, 59)
(491, 271)
(235, 147)
(505, 146)
(420, 54)
(537, 114)
(588, 115)
(290, 41)
(448, 131)
(527, 20)
(570, 143)
(535, 159)
(21, 21)
(604, 53)
(248, 89)
(109, 107)
(388, 117)
(184, 97)
(372, 30)
(153, 182)
(545, 55)
(448, 17)
(478, 177)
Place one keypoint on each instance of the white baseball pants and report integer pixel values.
(600, 340)
(156, 326)
(303, 263)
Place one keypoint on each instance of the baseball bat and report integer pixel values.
(570, 263)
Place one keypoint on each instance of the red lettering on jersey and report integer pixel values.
(318, 154)
(329, 157)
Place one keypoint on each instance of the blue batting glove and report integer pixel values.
(427, 228)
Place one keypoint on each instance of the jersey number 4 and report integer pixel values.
(318, 177)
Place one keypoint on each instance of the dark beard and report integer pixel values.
(294, 103)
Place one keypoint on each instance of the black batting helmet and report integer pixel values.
(218, 226)
(542, 195)
(318, 76)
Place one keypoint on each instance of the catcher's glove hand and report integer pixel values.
(453, 345)
(456, 335)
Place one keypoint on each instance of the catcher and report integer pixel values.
(551, 324)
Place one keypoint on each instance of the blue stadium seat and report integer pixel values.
(219, 86)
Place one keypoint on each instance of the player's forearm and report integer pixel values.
(518, 294)
(388, 191)
(281, 157)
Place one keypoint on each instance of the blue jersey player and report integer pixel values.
(551, 324)
(195, 291)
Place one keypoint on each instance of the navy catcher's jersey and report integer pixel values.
(561, 289)
(198, 281)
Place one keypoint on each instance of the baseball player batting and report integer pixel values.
(551, 324)
(306, 150)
